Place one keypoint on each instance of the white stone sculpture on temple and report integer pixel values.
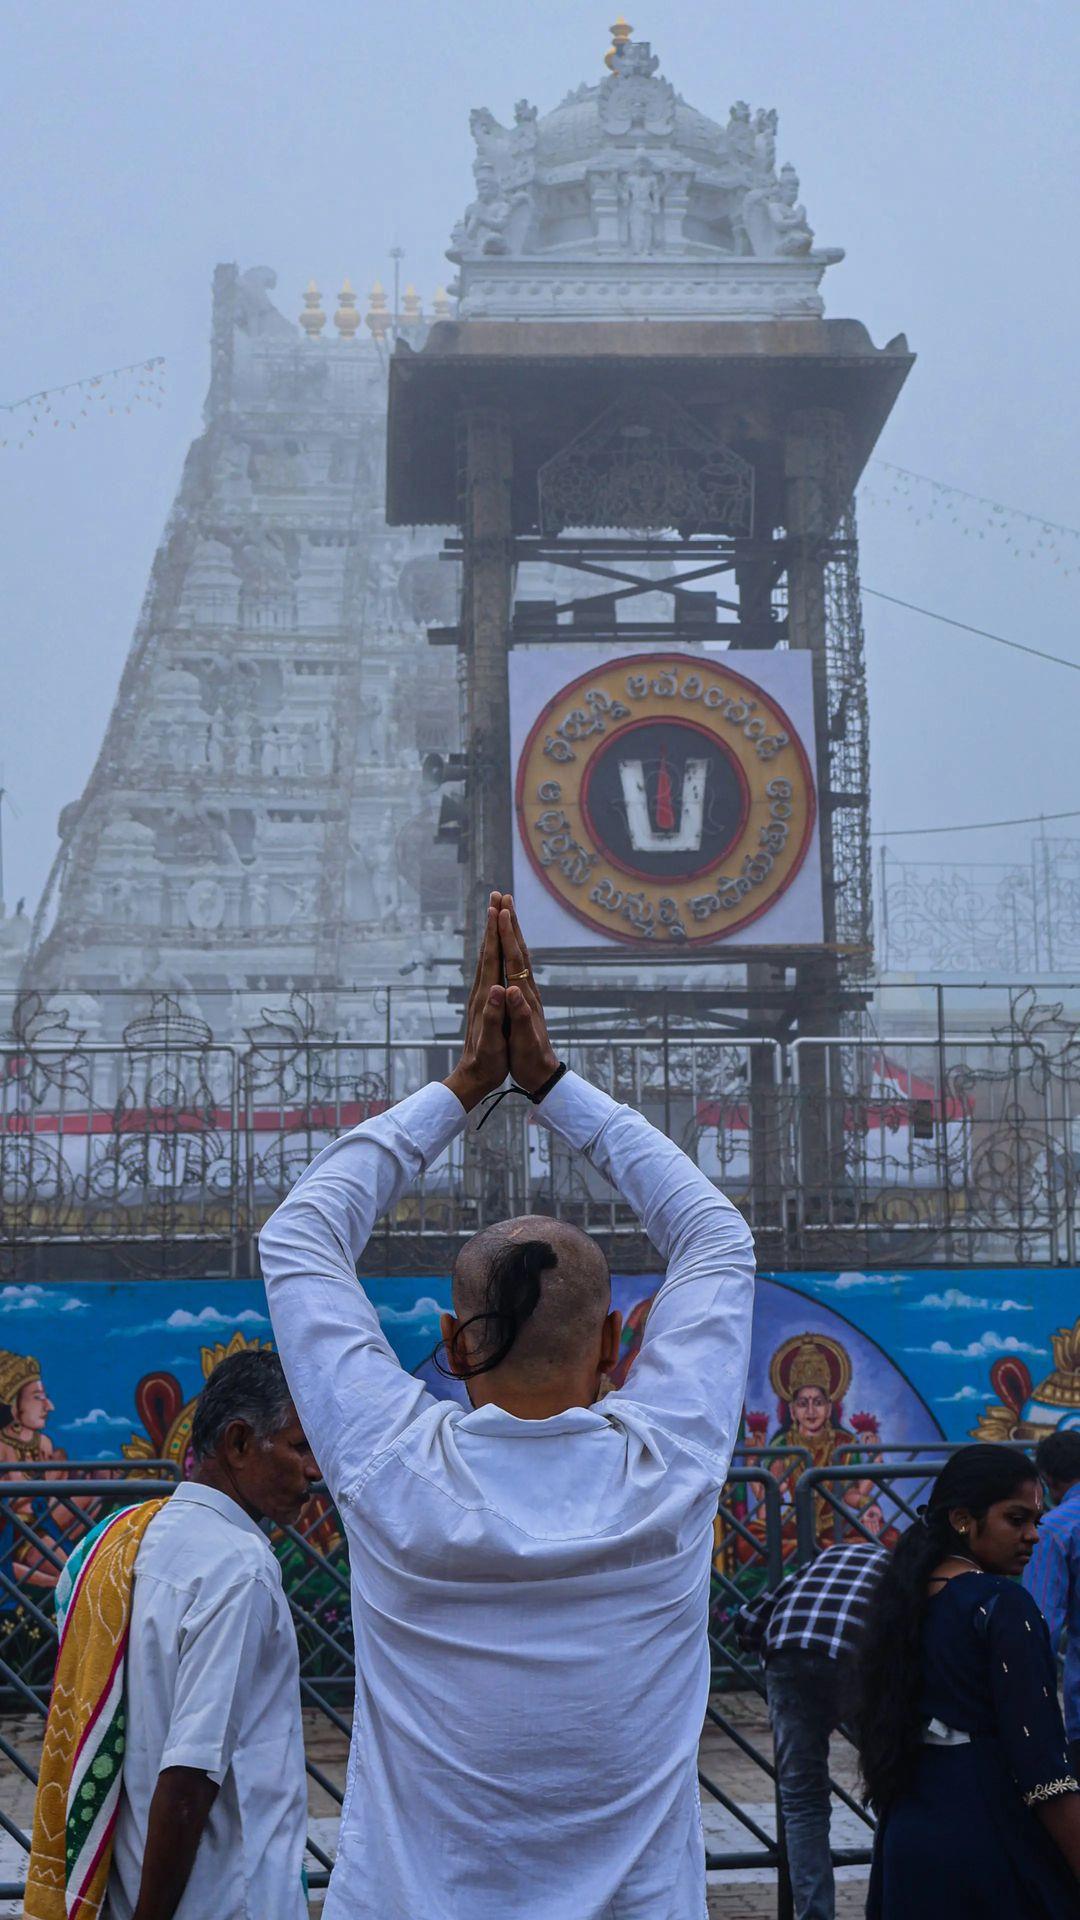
(240, 733)
(216, 737)
(643, 206)
(740, 135)
(292, 753)
(234, 469)
(302, 894)
(522, 167)
(382, 586)
(121, 902)
(258, 899)
(776, 222)
(632, 98)
(206, 904)
(626, 168)
(485, 227)
(382, 864)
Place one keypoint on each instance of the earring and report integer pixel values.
(962, 1531)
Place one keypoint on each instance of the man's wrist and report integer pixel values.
(540, 1093)
(532, 1083)
(470, 1088)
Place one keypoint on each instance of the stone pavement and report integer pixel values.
(749, 1894)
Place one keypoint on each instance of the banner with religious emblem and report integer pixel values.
(664, 798)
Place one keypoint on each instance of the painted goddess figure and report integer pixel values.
(810, 1375)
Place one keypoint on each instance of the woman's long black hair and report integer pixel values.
(511, 1295)
(886, 1721)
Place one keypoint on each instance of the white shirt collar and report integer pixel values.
(222, 1503)
(496, 1420)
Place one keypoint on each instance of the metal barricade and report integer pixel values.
(45, 1509)
(771, 1853)
(47, 1514)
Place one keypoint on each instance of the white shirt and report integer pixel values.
(529, 1596)
(213, 1682)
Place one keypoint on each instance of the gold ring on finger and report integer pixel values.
(521, 976)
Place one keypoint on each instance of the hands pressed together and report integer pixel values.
(505, 1029)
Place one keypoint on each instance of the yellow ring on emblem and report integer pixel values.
(704, 897)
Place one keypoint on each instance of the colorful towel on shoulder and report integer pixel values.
(78, 1793)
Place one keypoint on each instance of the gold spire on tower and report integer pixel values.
(620, 34)
(347, 317)
(440, 306)
(313, 319)
(412, 312)
(378, 313)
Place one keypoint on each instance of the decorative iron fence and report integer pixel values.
(982, 916)
(171, 1147)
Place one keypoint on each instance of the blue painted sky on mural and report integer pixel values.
(915, 1341)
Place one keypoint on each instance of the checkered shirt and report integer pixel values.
(823, 1606)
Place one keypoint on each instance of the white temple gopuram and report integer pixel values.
(256, 822)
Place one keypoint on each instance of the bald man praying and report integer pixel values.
(530, 1576)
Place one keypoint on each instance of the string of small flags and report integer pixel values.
(975, 515)
(117, 390)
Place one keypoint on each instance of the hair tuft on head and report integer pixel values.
(511, 1297)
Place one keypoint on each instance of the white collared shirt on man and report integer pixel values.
(529, 1596)
(212, 1682)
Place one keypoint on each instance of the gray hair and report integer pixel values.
(249, 1386)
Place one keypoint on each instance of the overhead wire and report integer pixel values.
(1016, 646)
(974, 826)
(980, 499)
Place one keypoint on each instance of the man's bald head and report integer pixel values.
(530, 1295)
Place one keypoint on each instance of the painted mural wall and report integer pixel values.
(843, 1364)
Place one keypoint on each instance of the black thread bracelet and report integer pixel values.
(491, 1100)
(552, 1081)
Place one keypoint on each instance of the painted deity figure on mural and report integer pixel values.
(32, 1562)
(24, 1409)
(810, 1375)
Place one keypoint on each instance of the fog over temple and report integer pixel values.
(256, 820)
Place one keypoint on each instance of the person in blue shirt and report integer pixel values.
(1052, 1575)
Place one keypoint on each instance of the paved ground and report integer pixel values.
(749, 1894)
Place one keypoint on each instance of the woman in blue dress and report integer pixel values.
(958, 1726)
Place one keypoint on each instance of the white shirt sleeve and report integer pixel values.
(222, 1639)
(350, 1391)
(689, 1376)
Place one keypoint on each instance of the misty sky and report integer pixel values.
(936, 141)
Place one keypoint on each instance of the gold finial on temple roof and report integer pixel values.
(378, 313)
(313, 319)
(620, 34)
(347, 318)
